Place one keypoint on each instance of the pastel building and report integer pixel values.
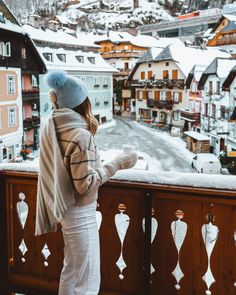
(18, 58)
(79, 57)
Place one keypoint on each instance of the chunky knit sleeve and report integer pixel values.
(86, 171)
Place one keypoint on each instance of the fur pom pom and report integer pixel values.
(56, 79)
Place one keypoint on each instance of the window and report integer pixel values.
(167, 64)
(11, 85)
(126, 47)
(106, 101)
(150, 94)
(213, 110)
(126, 66)
(61, 57)
(34, 81)
(176, 115)
(218, 87)
(8, 49)
(176, 96)
(48, 56)
(162, 95)
(105, 82)
(210, 87)
(5, 49)
(96, 82)
(165, 74)
(23, 53)
(97, 101)
(91, 59)
(12, 117)
(142, 75)
(206, 109)
(80, 59)
(140, 94)
(149, 65)
(4, 153)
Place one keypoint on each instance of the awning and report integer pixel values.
(187, 119)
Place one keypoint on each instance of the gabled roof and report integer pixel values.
(187, 57)
(195, 74)
(228, 81)
(231, 25)
(7, 13)
(219, 67)
(165, 55)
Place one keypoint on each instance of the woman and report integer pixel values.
(69, 177)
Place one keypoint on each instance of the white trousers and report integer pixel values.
(81, 267)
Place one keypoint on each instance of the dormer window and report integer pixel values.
(80, 59)
(48, 56)
(91, 59)
(61, 57)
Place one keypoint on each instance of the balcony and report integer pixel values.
(33, 122)
(30, 94)
(190, 116)
(173, 233)
(159, 104)
(118, 54)
(159, 83)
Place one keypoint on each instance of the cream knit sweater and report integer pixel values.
(70, 171)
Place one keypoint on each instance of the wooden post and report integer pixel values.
(147, 244)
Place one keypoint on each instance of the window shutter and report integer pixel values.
(168, 95)
(157, 95)
(149, 75)
(142, 75)
(180, 97)
(145, 94)
(137, 94)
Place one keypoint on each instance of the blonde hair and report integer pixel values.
(85, 110)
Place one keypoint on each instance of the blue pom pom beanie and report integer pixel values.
(70, 91)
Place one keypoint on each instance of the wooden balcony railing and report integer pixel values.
(155, 238)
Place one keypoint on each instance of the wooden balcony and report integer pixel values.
(30, 94)
(160, 104)
(119, 54)
(164, 229)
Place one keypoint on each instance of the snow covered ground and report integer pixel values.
(163, 159)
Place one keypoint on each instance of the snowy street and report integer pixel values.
(162, 152)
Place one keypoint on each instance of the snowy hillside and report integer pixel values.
(116, 16)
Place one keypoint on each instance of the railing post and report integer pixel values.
(4, 285)
(147, 243)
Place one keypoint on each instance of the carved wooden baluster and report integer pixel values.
(99, 218)
(22, 212)
(210, 235)
(154, 223)
(122, 223)
(179, 231)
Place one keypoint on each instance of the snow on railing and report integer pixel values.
(215, 181)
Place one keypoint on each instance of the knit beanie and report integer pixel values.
(70, 91)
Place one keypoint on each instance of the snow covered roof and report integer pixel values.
(187, 57)
(58, 37)
(196, 135)
(149, 55)
(220, 67)
(139, 40)
(71, 63)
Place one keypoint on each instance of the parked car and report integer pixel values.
(206, 163)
